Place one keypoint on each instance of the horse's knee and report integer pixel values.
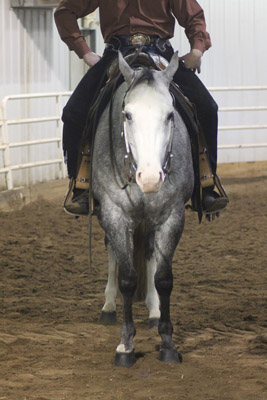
(127, 281)
(164, 282)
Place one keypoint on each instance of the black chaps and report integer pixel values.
(76, 110)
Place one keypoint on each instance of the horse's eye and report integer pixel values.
(128, 116)
(170, 116)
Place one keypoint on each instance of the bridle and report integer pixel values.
(130, 166)
(129, 161)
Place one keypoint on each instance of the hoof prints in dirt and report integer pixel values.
(52, 347)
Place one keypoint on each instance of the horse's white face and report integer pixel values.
(149, 119)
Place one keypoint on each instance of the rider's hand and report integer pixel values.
(91, 58)
(192, 60)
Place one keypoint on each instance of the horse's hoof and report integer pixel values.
(108, 318)
(170, 356)
(153, 323)
(125, 360)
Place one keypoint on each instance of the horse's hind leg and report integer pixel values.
(108, 314)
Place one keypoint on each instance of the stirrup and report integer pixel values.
(69, 202)
(210, 181)
(217, 203)
(211, 214)
(82, 180)
(220, 203)
(219, 186)
(68, 195)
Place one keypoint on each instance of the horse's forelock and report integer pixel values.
(147, 76)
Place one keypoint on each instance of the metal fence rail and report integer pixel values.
(6, 145)
(241, 109)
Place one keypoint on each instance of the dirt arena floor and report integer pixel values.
(52, 347)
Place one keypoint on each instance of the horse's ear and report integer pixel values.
(172, 67)
(126, 70)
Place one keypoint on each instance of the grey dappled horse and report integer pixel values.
(146, 129)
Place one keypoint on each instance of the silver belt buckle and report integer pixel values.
(139, 39)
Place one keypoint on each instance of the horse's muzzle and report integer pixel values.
(149, 181)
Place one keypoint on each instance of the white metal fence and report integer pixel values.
(244, 127)
(6, 145)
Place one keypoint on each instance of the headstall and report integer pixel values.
(129, 161)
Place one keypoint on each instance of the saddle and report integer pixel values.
(202, 170)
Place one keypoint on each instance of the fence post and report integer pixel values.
(59, 133)
(5, 138)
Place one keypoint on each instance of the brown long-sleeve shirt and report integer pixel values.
(126, 17)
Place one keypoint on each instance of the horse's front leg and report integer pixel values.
(127, 284)
(120, 237)
(166, 240)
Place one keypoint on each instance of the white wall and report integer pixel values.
(34, 59)
(238, 57)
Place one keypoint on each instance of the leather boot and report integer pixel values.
(212, 202)
(79, 203)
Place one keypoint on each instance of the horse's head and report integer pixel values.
(148, 115)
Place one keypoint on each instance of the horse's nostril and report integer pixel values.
(139, 175)
(160, 176)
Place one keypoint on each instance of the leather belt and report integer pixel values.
(137, 40)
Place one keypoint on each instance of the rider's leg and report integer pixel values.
(74, 118)
(207, 113)
(206, 108)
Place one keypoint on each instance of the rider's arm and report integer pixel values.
(66, 16)
(190, 16)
